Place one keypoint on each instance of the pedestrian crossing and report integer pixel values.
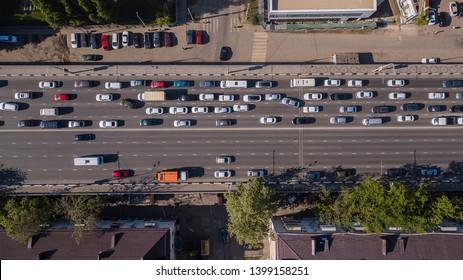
(214, 25)
(259, 47)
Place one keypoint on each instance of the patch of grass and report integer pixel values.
(147, 10)
(253, 14)
(422, 19)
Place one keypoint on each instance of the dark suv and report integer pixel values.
(148, 41)
(452, 83)
(395, 172)
(136, 40)
(410, 107)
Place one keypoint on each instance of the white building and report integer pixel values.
(298, 10)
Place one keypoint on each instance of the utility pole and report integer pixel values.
(140, 19)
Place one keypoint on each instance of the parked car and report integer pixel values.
(313, 175)
(355, 83)
(396, 172)
(273, 96)
(136, 37)
(9, 106)
(431, 60)
(222, 174)
(184, 97)
(182, 83)
(436, 108)
(301, 120)
(406, 118)
(106, 97)
(105, 42)
(225, 53)
(125, 173)
(138, 83)
(453, 9)
(338, 120)
(410, 107)
(241, 107)
(313, 96)
(178, 110)
(189, 36)
(429, 172)
(199, 37)
(256, 173)
(182, 123)
(397, 95)
(223, 110)
(8, 39)
(23, 95)
(348, 109)
(431, 17)
(167, 40)
(84, 137)
(200, 110)
(291, 102)
(340, 96)
(252, 98)
(459, 95)
(75, 40)
(452, 83)
(94, 41)
(108, 124)
(437, 95)
(89, 57)
(116, 41)
(27, 123)
(456, 109)
(125, 38)
(223, 122)
(158, 84)
(157, 39)
(150, 122)
(227, 97)
(76, 124)
(83, 40)
(380, 109)
(147, 40)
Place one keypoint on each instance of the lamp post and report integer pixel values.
(140, 18)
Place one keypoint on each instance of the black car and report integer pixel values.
(339, 96)
(84, 137)
(301, 120)
(452, 83)
(381, 109)
(225, 53)
(147, 40)
(223, 122)
(456, 109)
(184, 97)
(410, 107)
(343, 173)
(136, 40)
(442, 19)
(27, 123)
(149, 122)
(94, 41)
(436, 108)
(396, 172)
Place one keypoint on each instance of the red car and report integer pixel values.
(105, 42)
(126, 173)
(157, 84)
(199, 37)
(167, 41)
(61, 96)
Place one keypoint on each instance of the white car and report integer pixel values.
(226, 97)
(432, 17)
(223, 110)
(291, 102)
(241, 107)
(396, 83)
(108, 124)
(459, 95)
(332, 83)
(76, 123)
(311, 109)
(23, 95)
(9, 106)
(116, 43)
(44, 84)
(268, 120)
(154, 111)
(137, 83)
(406, 118)
(338, 120)
(252, 98)
(222, 174)
(74, 40)
(106, 97)
(313, 96)
(348, 109)
(453, 9)
(200, 110)
(460, 120)
(125, 38)
(355, 83)
(432, 60)
(178, 110)
(437, 95)
(397, 95)
(273, 96)
(182, 123)
(364, 94)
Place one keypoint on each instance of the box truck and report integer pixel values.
(172, 176)
(151, 95)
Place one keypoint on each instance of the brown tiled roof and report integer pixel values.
(131, 244)
(345, 246)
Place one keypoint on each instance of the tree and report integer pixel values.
(162, 19)
(249, 210)
(84, 211)
(411, 208)
(22, 217)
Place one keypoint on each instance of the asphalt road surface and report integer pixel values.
(46, 155)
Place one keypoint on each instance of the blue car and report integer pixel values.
(225, 237)
(429, 172)
(182, 83)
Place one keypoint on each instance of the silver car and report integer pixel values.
(200, 110)
(332, 83)
(226, 97)
(108, 124)
(268, 120)
(104, 97)
(348, 109)
(264, 84)
(272, 96)
(406, 118)
(396, 83)
(178, 110)
(154, 111)
(291, 102)
(182, 123)
(338, 120)
(397, 95)
(222, 174)
(223, 110)
(313, 96)
(45, 84)
(364, 94)
(9, 106)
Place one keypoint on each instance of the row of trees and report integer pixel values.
(24, 217)
(370, 205)
(58, 13)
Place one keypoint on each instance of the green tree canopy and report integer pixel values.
(374, 207)
(249, 210)
(22, 217)
(83, 210)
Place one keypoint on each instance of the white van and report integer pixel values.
(84, 161)
(370, 121)
(311, 109)
(49, 112)
(207, 97)
(113, 85)
(233, 84)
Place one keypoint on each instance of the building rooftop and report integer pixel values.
(282, 5)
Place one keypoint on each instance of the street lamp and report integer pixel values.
(140, 18)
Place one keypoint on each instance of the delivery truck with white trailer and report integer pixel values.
(152, 95)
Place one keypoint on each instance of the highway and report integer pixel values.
(46, 155)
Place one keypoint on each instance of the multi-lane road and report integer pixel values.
(47, 155)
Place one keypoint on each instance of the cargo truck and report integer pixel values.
(172, 176)
(303, 82)
(151, 95)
